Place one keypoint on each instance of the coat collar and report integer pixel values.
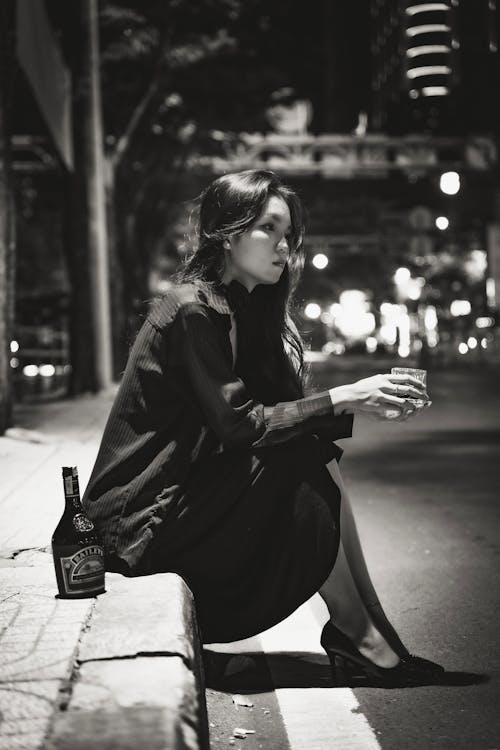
(224, 298)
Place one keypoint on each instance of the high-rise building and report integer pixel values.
(435, 66)
(342, 81)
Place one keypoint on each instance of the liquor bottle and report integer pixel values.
(76, 548)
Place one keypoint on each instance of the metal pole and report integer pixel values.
(7, 238)
(98, 246)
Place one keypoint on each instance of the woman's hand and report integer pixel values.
(385, 396)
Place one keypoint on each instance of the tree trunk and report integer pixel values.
(76, 226)
(118, 315)
(96, 199)
(86, 231)
(7, 235)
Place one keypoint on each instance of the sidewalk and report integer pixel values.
(45, 437)
(119, 670)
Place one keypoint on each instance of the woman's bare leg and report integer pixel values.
(349, 613)
(357, 565)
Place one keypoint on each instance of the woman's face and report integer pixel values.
(251, 256)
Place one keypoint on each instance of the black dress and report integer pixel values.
(252, 525)
(256, 534)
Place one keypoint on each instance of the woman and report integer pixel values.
(215, 465)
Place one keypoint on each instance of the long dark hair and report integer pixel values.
(271, 360)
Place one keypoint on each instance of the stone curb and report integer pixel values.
(121, 670)
(140, 675)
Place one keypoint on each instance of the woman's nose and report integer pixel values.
(283, 244)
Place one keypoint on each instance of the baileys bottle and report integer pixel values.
(76, 548)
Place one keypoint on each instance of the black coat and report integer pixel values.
(180, 405)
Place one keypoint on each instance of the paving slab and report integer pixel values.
(26, 710)
(38, 632)
(39, 635)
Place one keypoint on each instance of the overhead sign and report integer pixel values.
(42, 61)
(347, 156)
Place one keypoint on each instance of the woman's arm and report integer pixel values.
(235, 417)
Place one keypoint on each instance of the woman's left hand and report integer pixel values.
(409, 409)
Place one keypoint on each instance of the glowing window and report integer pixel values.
(435, 91)
(412, 10)
(428, 70)
(427, 49)
(426, 28)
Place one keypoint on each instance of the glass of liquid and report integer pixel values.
(419, 402)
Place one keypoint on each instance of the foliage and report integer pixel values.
(178, 78)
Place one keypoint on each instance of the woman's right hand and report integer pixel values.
(384, 396)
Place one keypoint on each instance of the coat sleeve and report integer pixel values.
(228, 408)
(339, 427)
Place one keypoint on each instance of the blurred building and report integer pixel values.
(340, 88)
(435, 66)
(397, 165)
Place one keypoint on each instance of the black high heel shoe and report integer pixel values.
(432, 667)
(347, 661)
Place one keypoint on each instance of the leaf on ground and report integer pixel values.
(240, 732)
(241, 700)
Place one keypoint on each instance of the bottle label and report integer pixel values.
(81, 522)
(68, 485)
(83, 572)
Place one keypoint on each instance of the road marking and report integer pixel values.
(324, 718)
(315, 717)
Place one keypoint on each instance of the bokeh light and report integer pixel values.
(312, 310)
(320, 261)
(460, 307)
(449, 183)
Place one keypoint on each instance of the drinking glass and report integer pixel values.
(419, 374)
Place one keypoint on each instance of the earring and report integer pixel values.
(227, 244)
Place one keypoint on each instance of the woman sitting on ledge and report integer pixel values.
(213, 462)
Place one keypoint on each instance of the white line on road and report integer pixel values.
(315, 718)
(324, 718)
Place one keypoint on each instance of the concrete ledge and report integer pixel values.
(146, 614)
(140, 677)
(145, 702)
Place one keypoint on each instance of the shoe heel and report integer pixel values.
(341, 671)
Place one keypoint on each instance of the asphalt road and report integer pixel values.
(425, 495)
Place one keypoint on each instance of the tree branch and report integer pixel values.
(126, 137)
(124, 140)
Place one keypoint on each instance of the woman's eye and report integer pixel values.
(268, 226)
